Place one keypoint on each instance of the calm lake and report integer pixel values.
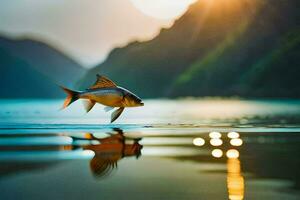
(169, 149)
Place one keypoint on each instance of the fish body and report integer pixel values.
(113, 97)
(107, 93)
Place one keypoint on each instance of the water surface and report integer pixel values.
(166, 150)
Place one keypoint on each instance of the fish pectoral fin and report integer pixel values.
(108, 108)
(103, 82)
(116, 114)
(88, 105)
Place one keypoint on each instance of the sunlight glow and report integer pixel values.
(236, 142)
(162, 9)
(215, 135)
(198, 142)
(232, 153)
(217, 153)
(233, 135)
(216, 142)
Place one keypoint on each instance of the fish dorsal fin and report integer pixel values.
(102, 82)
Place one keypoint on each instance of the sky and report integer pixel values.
(87, 30)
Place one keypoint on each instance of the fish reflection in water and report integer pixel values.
(17, 151)
(234, 155)
(110, 151)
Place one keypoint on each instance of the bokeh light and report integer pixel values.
(232, 153)
(198, 141)
(215, 135)
(217, 153)
(216, 142)
(233, 135)
(236, 142)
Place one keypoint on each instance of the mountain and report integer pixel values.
(32, 69)
(217, 48)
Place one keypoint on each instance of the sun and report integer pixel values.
(162, 9)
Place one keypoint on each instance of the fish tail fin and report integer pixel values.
(72, 96)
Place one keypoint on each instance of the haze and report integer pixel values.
(85, 30)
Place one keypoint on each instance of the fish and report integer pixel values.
(104, 91)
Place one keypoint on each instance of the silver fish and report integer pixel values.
(105, 92)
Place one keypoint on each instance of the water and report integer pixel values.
(165, 150)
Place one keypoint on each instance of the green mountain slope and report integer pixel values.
(19, 80)
(31, 69)
(217, 48)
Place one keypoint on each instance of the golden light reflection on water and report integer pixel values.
(235, 180)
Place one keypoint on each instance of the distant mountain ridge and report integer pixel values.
(33, 69)
(217, 48)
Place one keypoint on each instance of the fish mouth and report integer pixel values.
(141, 103)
